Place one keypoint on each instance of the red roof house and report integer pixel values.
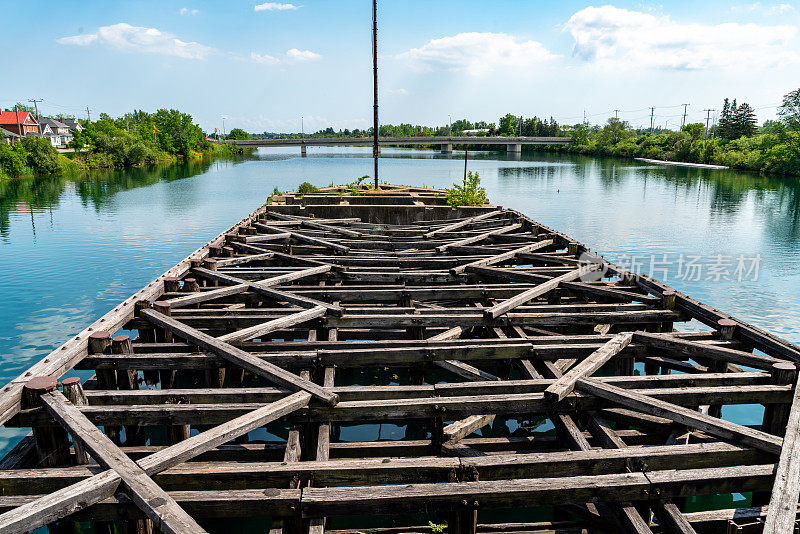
(19, 122)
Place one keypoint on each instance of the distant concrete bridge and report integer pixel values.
(513, 144)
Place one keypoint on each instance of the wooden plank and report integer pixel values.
(263, 329)
(261, 288)
(307, 223)
(530, 294)
(338, 249)
(61, 503)
(162, 509)
(239, 357)
(783, 502)
(716, 427)
(564, 385)
(462, 223)
(502, 257)
(241, 260)
(671, 517)
(480, 237)
(692, 349)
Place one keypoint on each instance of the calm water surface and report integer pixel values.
(71, 249)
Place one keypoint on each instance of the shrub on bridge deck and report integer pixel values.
(306, 188)
(470, 193)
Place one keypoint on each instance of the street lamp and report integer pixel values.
(449, 126)
(223, 125)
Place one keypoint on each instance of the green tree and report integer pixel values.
(509, 125)
(42, 157)
(238, 133)
(614, 131)
(789, 112)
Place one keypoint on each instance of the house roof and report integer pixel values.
(6, 133)
(10, 117)
(53, 123)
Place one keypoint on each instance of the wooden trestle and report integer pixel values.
(242, 383)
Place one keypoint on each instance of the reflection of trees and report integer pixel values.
(776, 198)
(96, 188)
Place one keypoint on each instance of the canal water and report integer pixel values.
(73, 247)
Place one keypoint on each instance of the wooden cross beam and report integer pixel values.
(162, 509)
(83, 494)
(502, 257)
(267, 291)
(509, 304)
(240, 357)
(685, 416)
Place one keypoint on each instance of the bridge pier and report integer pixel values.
(515, 148)
(447, 148)
(302, 151)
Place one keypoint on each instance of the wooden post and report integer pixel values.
(100, 343)
(128, 380)
(52, 443)
(171, 284)
(74, 392)
(211, 265)
(147, 335)
(776, 416)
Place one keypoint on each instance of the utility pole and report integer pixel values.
(584, 116)
(375, 148)
(708, 119)
(89, 117)
(652, 111)
(519, 126)
(34, 100)
(302, 128)
(450, 126)
(683, 122)
(616, 114)
(223, 126)
(19, 126)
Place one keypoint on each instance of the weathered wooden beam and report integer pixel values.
(263, 329)
(530, 294)
(564, 385)
(239, 357)
(162, 509)
(338, 249)
(463, 223)
(502, 257)
(648, 404)
(480, 237)
(783, 503)
(59, 504)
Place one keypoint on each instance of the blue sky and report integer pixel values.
(266, 65)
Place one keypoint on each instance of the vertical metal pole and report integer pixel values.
(465, 165)
(375, 148)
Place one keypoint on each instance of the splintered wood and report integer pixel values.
(384, 363)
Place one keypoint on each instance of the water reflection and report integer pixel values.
(74, 246)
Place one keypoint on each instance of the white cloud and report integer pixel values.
(187, 11)
(129, 38)
(275, 6)
(612, 37)
(266, 59)
(398, 91)
(292, 55)
(80, 40)
(477, 53)
(296, 55)
(758, 7)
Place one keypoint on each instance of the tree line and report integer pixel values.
(133, 139)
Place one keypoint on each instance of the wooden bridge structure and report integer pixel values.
(512, 145)
(255, 378)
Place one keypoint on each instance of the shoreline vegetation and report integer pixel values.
(735, 141)
(136, 139)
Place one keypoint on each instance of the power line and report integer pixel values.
(35, 107)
